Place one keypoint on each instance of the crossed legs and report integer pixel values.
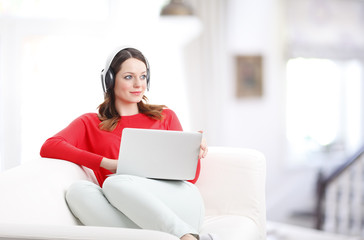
(127, 201)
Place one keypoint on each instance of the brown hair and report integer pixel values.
(108, 114)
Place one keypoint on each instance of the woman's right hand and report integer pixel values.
(109, 164)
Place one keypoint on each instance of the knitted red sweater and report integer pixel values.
(84, 143)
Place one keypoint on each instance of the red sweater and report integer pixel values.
(84, 143)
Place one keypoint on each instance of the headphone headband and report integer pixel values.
(108, 75)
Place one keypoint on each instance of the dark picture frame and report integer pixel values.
(249, 76)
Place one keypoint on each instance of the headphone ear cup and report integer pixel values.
(148, 78)
(109, 79)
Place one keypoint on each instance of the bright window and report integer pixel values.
(323, 107)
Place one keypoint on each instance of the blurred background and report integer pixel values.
(284, 77)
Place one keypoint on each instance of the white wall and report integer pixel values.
(254, 28)
(10, 102)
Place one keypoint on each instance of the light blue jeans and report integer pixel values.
(175, 207)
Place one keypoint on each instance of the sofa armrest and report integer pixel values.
(34, 191)
(232, 182)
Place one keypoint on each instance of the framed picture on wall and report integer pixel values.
(249, 76)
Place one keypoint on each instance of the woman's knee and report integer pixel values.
(118, 183)
(81, 191)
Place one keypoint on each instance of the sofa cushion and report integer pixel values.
(231, 227)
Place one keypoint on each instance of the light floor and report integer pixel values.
(282, 231)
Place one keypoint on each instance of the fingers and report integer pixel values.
(200, 155)
(203, 147)
(203, 152)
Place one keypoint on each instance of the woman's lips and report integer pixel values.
(136, 93)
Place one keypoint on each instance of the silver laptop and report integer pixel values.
(159, 154)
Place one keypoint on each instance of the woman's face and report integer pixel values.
(130, 81)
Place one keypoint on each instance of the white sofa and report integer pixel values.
(232, 183)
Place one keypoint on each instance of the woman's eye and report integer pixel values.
(128, 77)
(143, 77)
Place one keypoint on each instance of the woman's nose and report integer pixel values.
(137, 82)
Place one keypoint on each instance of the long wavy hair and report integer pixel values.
(108, 114)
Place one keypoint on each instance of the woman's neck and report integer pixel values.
(127, 109)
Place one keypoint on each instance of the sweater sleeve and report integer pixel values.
(171, 120)
(67, 145)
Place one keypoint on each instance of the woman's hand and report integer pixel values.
(109, 164)
(203, 148)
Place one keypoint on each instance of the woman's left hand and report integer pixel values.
(203, 148)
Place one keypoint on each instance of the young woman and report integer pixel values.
(93, 140)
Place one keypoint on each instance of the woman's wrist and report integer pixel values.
(109, 164)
